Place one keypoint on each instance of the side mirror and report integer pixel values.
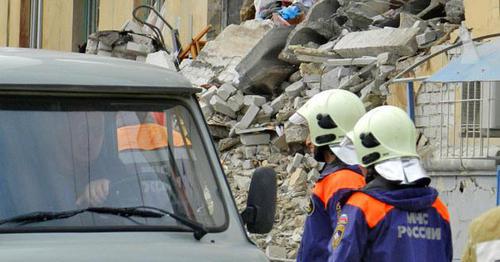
(261, 204)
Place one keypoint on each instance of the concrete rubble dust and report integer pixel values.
(256, 74)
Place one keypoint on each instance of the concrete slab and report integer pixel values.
(260, 72)
(255, 139)
(371, 43)
(222, 107)
(249, 117)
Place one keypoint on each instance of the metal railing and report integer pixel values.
(464, 128)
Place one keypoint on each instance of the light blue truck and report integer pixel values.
(111, 160)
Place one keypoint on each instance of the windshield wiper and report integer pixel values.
(46, 216)
(198, 229)
(139, 211)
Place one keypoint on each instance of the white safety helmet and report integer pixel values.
(330, 115)
(385, 138)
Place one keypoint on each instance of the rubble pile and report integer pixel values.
(362, 46)
(257, 74)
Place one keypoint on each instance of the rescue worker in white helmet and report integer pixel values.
(329, 116)
(397, 216)
(483, 243)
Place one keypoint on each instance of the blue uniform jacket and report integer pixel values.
(408, 225)
(323, 209)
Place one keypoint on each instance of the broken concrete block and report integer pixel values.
(137, 49)
(361, 13)
(313, 175)
(218, 131)
(426, 38)
(226, 90)
(235, 102)
(407, 20)
(385, 70)
(208, 94)
(255, 139)
(162, 59)
(298, 102)
(310, 162)
(254, 100)
(278, 103)
(263, 152)
(250, 152)
(221, 106)
(276, 252)
(294, 89)
(296, 134)
(280, 143)
(351, 61)
(421, 26)
(312, 92)
(331, 79)
(260, 72)
(234, 43)
(371, 43)
(267, 109)
(262, 117)
(247, 164)
(228, 143)
(104, 47)
(249, 117)
(387, 58)
(298, 180)
(311, 78)
(348, 81)
(295, 163)
(92, 43)
(144, 40)
(295, 77)
(207, 110)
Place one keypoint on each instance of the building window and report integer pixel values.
(471, 109)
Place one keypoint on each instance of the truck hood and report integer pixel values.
(126, 246)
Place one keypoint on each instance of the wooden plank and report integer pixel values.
(24, 24)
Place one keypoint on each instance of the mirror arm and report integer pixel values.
(249, 215)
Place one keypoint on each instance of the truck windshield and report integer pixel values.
(67, 154)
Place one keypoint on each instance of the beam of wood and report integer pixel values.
(24, 24)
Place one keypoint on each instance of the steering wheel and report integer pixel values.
(124, 192)
(134, 190)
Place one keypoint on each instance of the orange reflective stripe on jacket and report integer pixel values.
(441, 209)
(374, 210)
(147, 137)
(329, 186)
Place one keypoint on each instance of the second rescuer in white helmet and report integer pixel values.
(397, 216)
(330, 115)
